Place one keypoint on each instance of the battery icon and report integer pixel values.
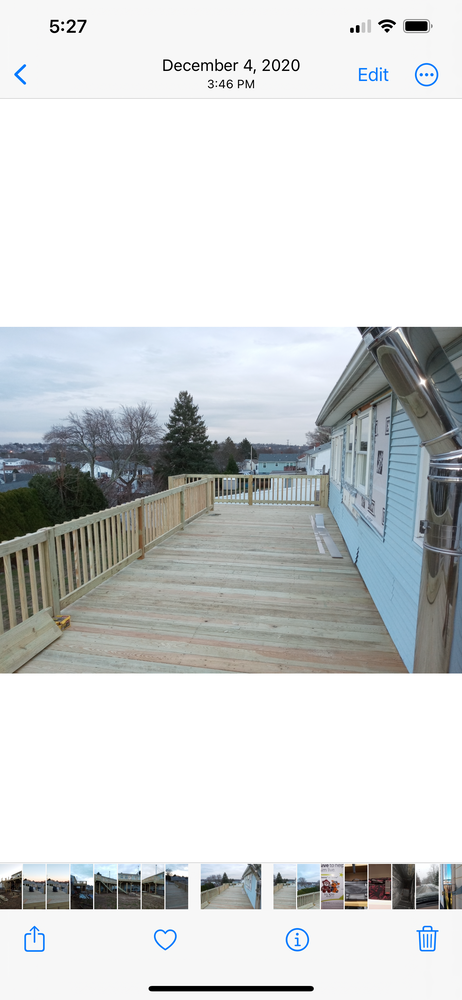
(417, 26)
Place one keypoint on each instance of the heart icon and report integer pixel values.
(168, 938)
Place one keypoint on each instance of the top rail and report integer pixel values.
(271, 488)
(52, 567)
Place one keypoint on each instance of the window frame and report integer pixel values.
(336, 457)
(366, 414)
(349, 478)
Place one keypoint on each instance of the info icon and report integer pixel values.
(297, 939)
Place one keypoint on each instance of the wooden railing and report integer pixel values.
(308, 900)
(53, 567)
(286, 488)
(208, 894)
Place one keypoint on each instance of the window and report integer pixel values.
(349, 451)
(336, 461)
(363, 451)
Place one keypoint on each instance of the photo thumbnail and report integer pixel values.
(153, 886)
(58, 887)
(348, 489)
(33, 887)
(82, 885)
(10, 886)
(231, 886)
(105, 885)
(284, 886)
(176, 885)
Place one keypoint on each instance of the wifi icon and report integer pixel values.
(387, 24)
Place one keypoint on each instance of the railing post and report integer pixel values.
(182, 509)
(250, 490)
(52, 572)
(141, 529)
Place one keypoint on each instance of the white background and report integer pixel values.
(265, 213)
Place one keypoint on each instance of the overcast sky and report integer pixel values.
(285, 868)
(153, 868)
(34, 872)
(83, 873)
(233, 869)
(59, 872)
(263, 384)
(7, 869)
(177, 868)
(106, 868)
(129, 868)
(309, 871)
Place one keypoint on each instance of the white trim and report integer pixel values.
(348, 476)
(336, 458)
(365, 415)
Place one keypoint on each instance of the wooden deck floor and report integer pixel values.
(285, 898)
(241, 590)
(176, 897)
(233, 898)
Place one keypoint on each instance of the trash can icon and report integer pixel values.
(427, 939)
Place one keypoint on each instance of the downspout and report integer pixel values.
(430, 391)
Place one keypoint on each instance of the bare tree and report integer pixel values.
(86, 431)
(129, 440)
(320, 435)
(60, 440)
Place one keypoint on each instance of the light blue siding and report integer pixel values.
(251, 889)
(390, 567)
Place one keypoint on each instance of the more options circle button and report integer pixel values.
(426, 74)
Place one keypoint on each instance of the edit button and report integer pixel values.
(377, 75)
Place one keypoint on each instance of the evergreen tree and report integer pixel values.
(185, 447)
(67, 493)
(279, 878)
(232, 466)
(225, 878)
(244, 449)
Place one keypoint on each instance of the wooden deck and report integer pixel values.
(285, 898)
(233, 898)
(176, 897)
(243, 589)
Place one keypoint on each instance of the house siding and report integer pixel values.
(252, 889)
(390, 567)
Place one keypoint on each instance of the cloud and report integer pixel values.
(267, 384)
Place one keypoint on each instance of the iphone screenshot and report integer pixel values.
(230, 502)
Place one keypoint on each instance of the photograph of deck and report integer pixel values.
(230, 886)
(105, 886)
(308, 886)
(129, 886)
(153, 886)
(242, 589)
(57, 887)
(10, 886)
(82, 886)
(33, 886)
(284, 885)
(176, 885)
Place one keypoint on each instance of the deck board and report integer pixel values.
(241, 590)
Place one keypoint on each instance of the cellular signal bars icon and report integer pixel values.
(363, 27)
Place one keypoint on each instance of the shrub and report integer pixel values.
(21, 511)
(68, 493)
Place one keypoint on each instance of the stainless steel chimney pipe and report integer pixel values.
(430, 391)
